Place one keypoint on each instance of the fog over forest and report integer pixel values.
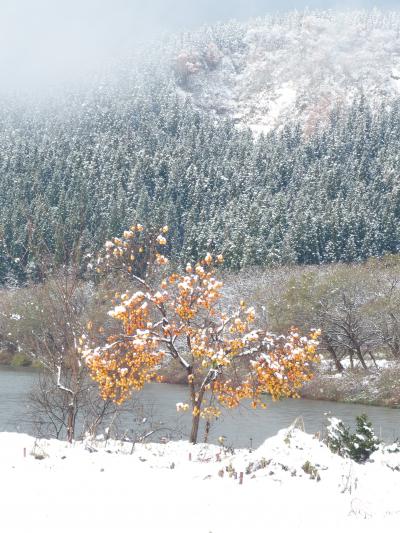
(46, 44)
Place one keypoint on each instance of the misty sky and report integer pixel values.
(45, 42)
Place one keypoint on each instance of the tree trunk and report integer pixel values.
(195, 427)
(207, 431)
(196, 416)
(361, 358)
(336, 360)
(373, 359)
(71, 421)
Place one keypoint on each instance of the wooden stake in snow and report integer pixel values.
(190, 456)
(24, 452)
(241, 478)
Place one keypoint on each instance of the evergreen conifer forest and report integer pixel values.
(139, 147)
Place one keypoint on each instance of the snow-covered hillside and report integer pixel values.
(299, 65)
(292, 482)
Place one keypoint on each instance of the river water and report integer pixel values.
(241, 427)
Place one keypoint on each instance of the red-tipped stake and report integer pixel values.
(241, 478)
(190, 456)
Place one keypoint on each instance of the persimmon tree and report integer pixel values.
(180, 316)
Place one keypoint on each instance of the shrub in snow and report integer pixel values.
(393, 448)
(311, 470)
(338, 437)
(357, 446)
(364, 441)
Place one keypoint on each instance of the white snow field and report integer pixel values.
(98, 486)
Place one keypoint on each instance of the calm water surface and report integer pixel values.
(241, 427)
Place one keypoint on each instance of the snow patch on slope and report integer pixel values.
(297, 66)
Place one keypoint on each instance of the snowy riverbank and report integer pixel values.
(378, 385)
(176, 487)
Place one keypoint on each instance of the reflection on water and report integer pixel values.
(241, 426)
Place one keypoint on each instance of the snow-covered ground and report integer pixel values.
(110, 486)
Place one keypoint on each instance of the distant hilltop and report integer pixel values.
(301, 65)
